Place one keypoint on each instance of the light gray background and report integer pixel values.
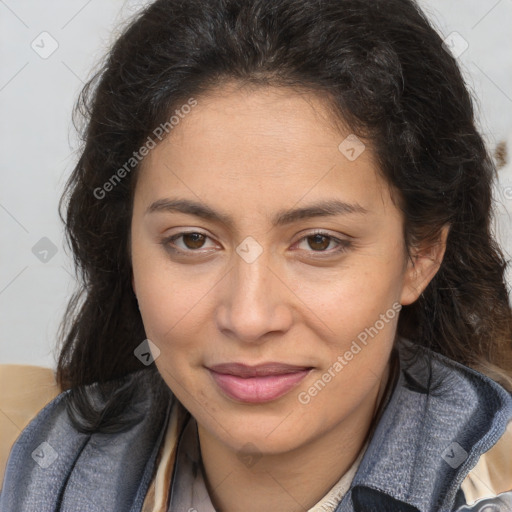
(39, 144)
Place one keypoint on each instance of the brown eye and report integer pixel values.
(318, 242)
(187, 242)
(193, 240)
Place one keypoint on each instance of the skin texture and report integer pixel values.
(249, 153)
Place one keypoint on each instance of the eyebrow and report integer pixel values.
(326, 208)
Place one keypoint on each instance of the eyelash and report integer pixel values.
(343, 245)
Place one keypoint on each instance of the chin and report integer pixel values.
(265, 436)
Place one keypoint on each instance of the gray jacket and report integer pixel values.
(438, 420)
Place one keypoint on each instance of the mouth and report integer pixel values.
(257, 384)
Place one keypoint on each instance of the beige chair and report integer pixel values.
(24, 391)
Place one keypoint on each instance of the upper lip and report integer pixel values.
(259, 370)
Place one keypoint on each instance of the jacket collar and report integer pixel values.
(440, 418)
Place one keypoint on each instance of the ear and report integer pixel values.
(422, 267)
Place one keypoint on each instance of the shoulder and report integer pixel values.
(465, 422)
(24, 391)
(490, 480)
(55, 461)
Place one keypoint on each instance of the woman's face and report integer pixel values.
(228, 267)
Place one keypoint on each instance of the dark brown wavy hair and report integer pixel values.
(382, 68)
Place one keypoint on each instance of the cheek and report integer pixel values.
(361, 309)
(356, 295)
(163, 296)
(356, 357)
(166, 304)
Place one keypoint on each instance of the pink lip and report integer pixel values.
(257, 384)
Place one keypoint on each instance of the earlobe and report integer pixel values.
(422, 267)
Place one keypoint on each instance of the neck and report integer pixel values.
(292, 481)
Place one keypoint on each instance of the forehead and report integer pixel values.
(255, 117)
(258, 147)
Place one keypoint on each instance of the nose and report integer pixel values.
(255, 301)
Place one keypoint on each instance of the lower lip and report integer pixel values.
(258, 389)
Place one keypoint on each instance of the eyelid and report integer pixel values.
(342, 244)
(166, 241)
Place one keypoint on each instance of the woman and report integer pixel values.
(291, 297)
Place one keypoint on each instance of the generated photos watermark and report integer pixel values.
(305, 397)
(158, 133)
